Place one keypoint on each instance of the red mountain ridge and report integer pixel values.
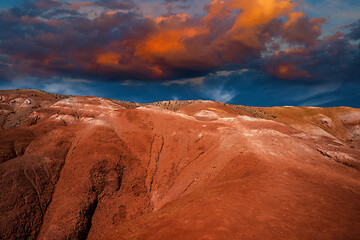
(76, 167)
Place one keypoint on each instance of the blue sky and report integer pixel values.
(145, 51)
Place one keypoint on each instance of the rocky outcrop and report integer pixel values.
(92, 168)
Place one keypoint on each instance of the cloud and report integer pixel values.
(197, 81)
(301, 29)
(176, 1)
(219, 94)
(64, 88)
(114, 4)
(76, 80)
(113, 40)
(318, 90)
(227, 73)
(319, 102)
(191, 81)
(110, 4)
(354, 30)
(334, 58)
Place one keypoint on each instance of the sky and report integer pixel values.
(255, 53)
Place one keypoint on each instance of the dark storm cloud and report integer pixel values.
(333, 58)
(41, 8)
(114, 4)
(51, 38)
(354, 30)
(171, 1)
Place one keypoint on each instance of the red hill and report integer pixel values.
(76, 167)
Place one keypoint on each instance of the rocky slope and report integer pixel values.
(76, 167)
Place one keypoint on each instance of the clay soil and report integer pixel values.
(75, 167)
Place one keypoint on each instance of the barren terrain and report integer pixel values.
(75, 167)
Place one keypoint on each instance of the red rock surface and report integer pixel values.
(90, 168)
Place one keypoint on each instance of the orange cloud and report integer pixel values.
(286, 64)
(108, 59)
(301, 29)
(288, 71)
(123, 43)
(180, 41)
(77, 5)
(167, 44)
(259, 12)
